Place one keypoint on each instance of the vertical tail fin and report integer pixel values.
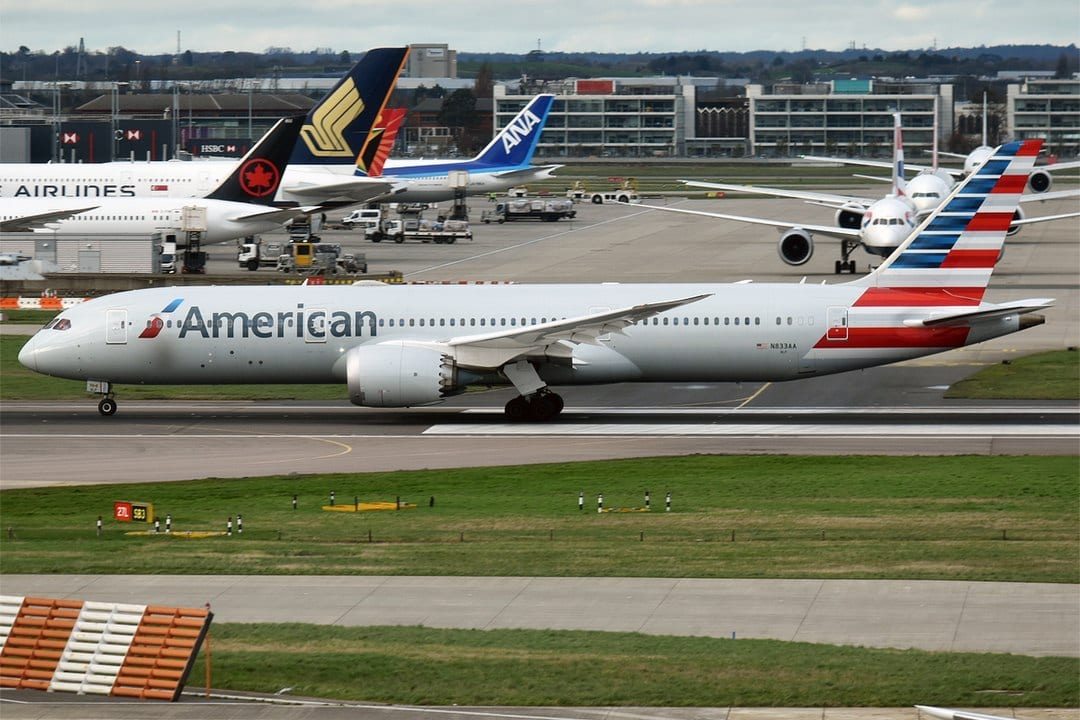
(515, 144)
(955, 248)
(338, 129)
(898, 182)
(375, 154)
(257, 176)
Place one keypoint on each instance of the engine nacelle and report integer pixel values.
(398, 375)
(795, 246)
(1017, 215)
(850, 216)
(1039, 181)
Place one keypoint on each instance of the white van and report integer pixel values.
(364, 219)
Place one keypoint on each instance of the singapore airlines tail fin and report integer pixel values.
(338, 129)
(257, 176)
(949, 257)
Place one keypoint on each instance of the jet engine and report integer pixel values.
(399, 375)
(1018, 215)
(1040, 181)
(795, 246)
(850, 217)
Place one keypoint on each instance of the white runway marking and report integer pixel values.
(940, 431)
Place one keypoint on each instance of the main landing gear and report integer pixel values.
(539, 407)
(536, 402)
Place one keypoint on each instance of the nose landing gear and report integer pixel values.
(107, 404)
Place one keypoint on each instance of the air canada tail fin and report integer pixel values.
(378, 150)
(515, 144)
(954, 250)
(339, 127)
(258, 174)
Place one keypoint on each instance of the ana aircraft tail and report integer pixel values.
(953, 252)
(338, 128)
(257, 176)
(515, 144)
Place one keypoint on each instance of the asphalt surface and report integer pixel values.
(606, 243)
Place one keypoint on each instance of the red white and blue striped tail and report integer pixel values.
(952, 254)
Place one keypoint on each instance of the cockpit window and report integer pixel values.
(62, 324)
(49, 324)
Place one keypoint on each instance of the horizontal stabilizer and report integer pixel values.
(947, 714)
(356, 189)
(533, 172)
(278, 215)
(961, 319)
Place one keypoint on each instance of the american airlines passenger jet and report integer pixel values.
(397, 346)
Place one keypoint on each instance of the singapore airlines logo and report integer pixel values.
(324, 134)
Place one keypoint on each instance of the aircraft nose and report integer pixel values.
(28, 353)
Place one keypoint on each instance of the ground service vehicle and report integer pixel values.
(363, 219)
(547, 209)
(168, 257)
(434, 231)
(622, 195)
(254, 253)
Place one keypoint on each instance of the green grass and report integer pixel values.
(426, 666)
(973, 518)
(1046, 376)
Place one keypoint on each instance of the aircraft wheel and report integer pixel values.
(517, 410)
(107, 406)
(838, 268)
(545, 407)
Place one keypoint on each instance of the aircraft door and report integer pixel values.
(315, 326)
(116, 327)
(838, 323)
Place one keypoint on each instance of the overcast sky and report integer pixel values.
(150, 27)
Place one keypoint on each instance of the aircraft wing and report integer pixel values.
(26, 223)
(495, 349)
(777, 192)
(966, 318)
(956, 172)
(1071, 165)
(1054, 195)
(827, 230)
(278, 215)
(1045, 218)
(947, 714)
(348, 188)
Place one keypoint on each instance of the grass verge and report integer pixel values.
(425, 666)
(974, 518)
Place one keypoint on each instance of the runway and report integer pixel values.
(896, 410)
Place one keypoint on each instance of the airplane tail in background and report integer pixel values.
(338, 129)
(898, 181)
(257, 176)
(378, 150)
(515, 144)
(949, 258)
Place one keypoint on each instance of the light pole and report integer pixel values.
(115, 113)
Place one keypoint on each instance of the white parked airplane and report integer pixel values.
(878, 226)
(241, 205)
(321, 169)
(506, 161)
(398, 346)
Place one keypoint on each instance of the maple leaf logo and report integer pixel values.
(259, 178)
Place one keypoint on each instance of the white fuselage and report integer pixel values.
(133, 216)
(270, 335)
(154, 179)
(430, 181)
